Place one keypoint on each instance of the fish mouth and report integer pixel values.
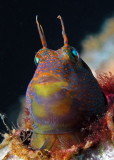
(48, 79)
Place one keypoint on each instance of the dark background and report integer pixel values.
(19, 39)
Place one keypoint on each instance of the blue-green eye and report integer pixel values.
(74, 52)
(36, 60)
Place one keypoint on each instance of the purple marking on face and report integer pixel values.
(58, 96)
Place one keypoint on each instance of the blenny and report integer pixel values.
(62, 97)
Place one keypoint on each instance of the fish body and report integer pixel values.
(62, 95)
(63, 92)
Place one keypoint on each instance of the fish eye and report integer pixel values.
(74, 52)
(36, 60)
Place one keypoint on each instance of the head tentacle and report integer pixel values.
(63, 31)
(41, 33)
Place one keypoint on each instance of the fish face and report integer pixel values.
(63, 92)
(62, 96)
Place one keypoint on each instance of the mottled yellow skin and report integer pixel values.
(49, 89)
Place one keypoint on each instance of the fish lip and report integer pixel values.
(48, 79)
